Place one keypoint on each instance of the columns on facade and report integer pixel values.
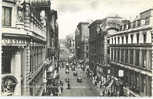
(140, 57)
(16, 70)
(148, 37)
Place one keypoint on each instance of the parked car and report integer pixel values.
(79, 79)
(74, 73)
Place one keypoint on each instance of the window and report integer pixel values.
(126, 56)
(6, 16)
(137, 55)
(139, 23)
(144, 58)
(131, 39)
(131, 56)
(127, 39)
(122, 55)
(107, 41)
(129, 25)
(118, 54)
(115, 40)
(138, 38)
(144, 38)
(118, 40)
(87, 47)
(6, 61)
(147, 21)
(122, 39)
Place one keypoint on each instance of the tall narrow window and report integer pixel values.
(6, 16)
(131, 39)
(127, 39)
(131, 56)
(118, 40)
(144, 38)
(122, 39)
(138, 38)
(144, 58)
(137, 56)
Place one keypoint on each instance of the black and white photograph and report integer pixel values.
(76, 48)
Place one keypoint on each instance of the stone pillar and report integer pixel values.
(18, 72)
(26, 91)
(140, 57)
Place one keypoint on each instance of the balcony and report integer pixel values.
(37, 28)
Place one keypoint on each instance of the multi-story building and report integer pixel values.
(99, 43)
(24, 46)
(70, 43)
(52, 49)
(81, 41)
(131, 53)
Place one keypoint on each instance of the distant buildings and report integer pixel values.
(131, 52)
(25, 58)
(70, 43)
(81, 41)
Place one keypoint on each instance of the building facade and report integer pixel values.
(81, 41)
(52, 51)
(70, 43)
(24, 59)
(99, 44)
(131, 52)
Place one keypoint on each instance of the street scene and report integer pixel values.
(57, 48)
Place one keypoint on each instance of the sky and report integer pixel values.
(71, 12)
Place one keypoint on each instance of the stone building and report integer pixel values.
(81, 41)
(99, 30)
(70, 43)
(131, 53)
(24, 60)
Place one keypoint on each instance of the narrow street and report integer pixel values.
(85, 88)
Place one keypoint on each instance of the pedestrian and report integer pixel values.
(59, 90)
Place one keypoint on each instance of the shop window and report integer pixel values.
(6, 16)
